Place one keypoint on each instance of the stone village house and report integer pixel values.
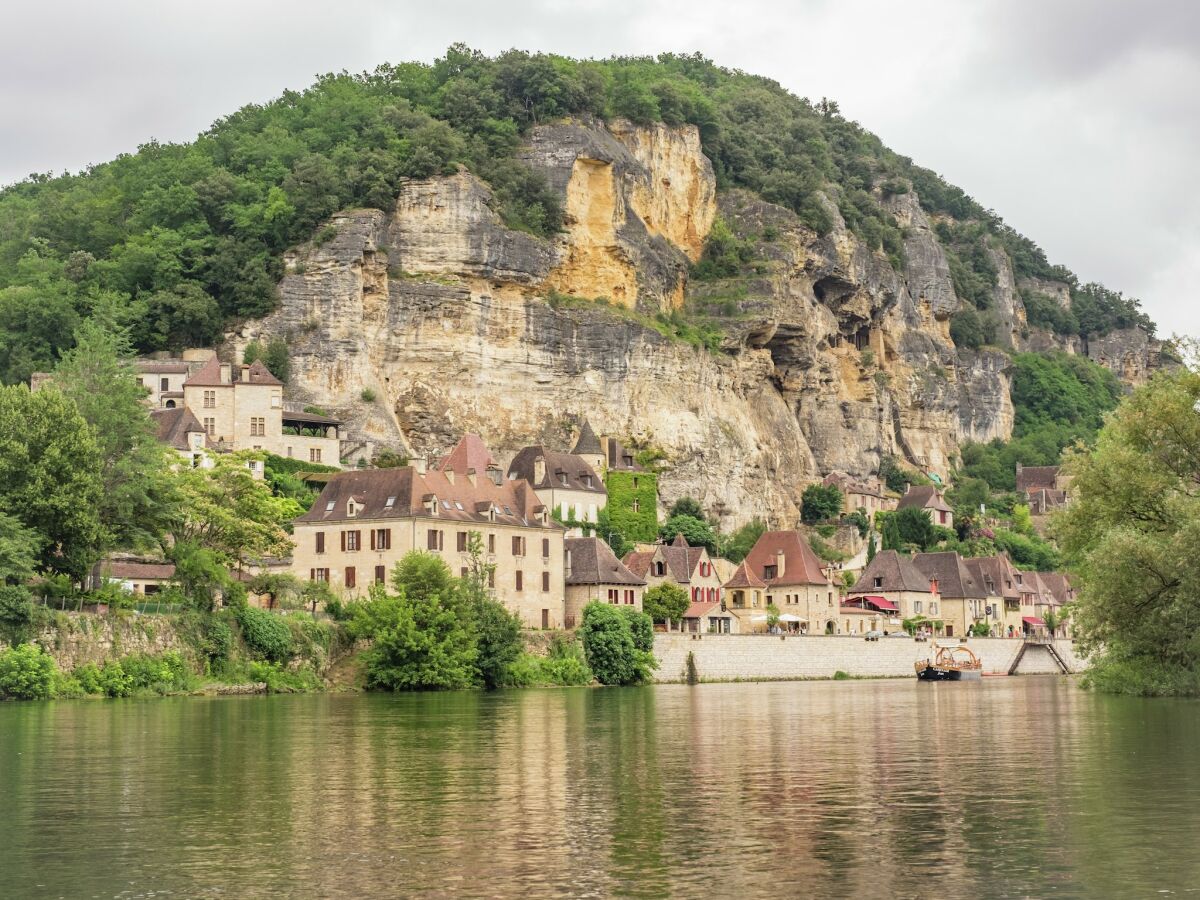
(963, 598)
(593, 572)
(997, 578)
(930, 499)
(795, 581)
(365, 521)
(564, 481)
(869, 494)
(894, 586)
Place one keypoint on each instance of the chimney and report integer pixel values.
(780, 563)
(539, 470)
(449, 473)
(471, 476)
(418, 463)
(494, 475)
(567, 565)
(226, 373)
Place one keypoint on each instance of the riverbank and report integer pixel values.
(760, 657)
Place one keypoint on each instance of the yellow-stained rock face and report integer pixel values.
(596, 264)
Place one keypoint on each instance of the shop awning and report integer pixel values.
(881, 604)
(1033, 620)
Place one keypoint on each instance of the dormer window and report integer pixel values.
(459, 506)
(507, 511)
(389, 503)
(587, 480)
(351, 508)
(329, 506)
(562, 477)
(878, 582)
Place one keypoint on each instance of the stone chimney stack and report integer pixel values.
(780, 563)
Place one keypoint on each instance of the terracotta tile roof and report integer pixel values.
(1033, 477)
(953, 577)
(174, 426)
(469, 453)
(457, 501)
(897, 573)
(259, 374)
(924, 496)
(137, 570)
(579, 476)
(638, 561)
(593, 562)
(801, 565)
(208, 375)
(588, 442)
(743, 577)
(702, 608)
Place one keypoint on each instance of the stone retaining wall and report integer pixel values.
(751, 657)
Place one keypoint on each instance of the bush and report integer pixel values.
(266, 634)
(498, 636)
(608, 642)
(367, 395)
(283, 681)
(665, 601)
(820, 503)
(161, 673)
(641, 626)
(16, 613)
(26, 673)
(565, 666)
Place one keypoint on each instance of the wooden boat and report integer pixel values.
(949, 664)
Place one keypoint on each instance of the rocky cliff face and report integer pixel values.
(831, 360)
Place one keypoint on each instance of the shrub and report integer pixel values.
(266, 634)
(498, 636)
(367, 395)
(283, 681)
(641, 626)
(16, 613)
(666, 601)
(565, 667)
(113, 681)
(820, 503)
(163, 673)
(609, 645)
(26, 673)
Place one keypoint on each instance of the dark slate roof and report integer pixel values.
(898, 574)
(1058, 584)
(924, 496)
(999, 571)
(579, 475)
(800, 563)
(163, 367)
(953, 577)
(1030, 478)
(469, 453)
(174, 425)
(137, 570)
(617, 458)
(593, 562)
(588, 442)
(458, 500)
(208, 375)
(309, 418)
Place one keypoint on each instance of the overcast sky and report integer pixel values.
(1076, 120)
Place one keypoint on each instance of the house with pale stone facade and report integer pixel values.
(963, 598)
(689, 567)
(930, 499)
(565, 482)
(795, 582)
(365, 521)
(592, 572)
(894, 586)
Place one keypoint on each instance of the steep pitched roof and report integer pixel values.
(174, 425)
(638, 561)
(588, 442)
(897, 573)
(562, 470)
(953, 577)
(800, 563)
(469, 453)
(258, 373)
(1033, 477)
(995, 575)
(208, 375)
(619, 459)
(593, 562)
(743, 577)
(458, 500)
(1059, 585)
(924, 496)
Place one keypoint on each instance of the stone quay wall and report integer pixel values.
(753, 657)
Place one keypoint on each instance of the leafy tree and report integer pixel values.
(872, 548)
(20, 548)
(497, 631)
(199, 575)
(914, 527)
(640, 627)
(50, 477)
(26, 673)
(736, 546)
(98, 376)
(859, 520)
(1130, 536)
(609, 645)
(665, 602)
(277, 358)
(35, 327)
(424, 576)
(772, 615)
(686, 506)
(697, 532)
(890, 529)
(897, 477)
(821, 503)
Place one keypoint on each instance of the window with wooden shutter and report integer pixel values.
(520, 580)
(516, 546)
(343, 541)
(350, 581)
(351, 540)
(373, 533)
(492, 577)
(320, 542)
(462, 542)
(545, 581)
(380, 574)
(491, 543)
(546, 548)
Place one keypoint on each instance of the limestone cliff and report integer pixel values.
(831, 359)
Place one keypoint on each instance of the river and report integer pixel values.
(1010, 788)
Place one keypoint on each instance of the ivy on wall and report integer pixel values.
(639, 525)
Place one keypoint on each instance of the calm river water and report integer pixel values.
(1013, 787)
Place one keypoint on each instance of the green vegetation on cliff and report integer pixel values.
(177, 240)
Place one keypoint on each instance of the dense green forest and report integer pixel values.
(177, 240)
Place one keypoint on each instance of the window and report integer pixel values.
(520, 580)
(351, 541)
(329, 506)
(635, 480)
(314, 454)
(320, 542)
(389, 503)
(381, 539)
(637, 504)
(769, 571)
(350, 582)
(210, 427)
(629, 598)
(878, 582)
(917, 607)
(210, 399)
(462, 542)
(612, 595)
(164, 384)
(462, 572)
(491, 576)
(545, 581)
(659, 568)
(518, 545)
(933, 609)
(491, 543)
(380, 574)
(546, 548)
(318, 575)
(433, 539)
(258, 427)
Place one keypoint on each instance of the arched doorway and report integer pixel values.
(170, 404)
(829, 627)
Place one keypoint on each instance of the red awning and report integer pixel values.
(882, 604)
(1033, 620)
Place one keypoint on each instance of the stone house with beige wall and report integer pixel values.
(565, 482)
(894, 578)
(866, 494)
(930, 499)
(795, 581)
(689, 567)
(592, 572)
(963, 598)
(365, 521)
(998, 578)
